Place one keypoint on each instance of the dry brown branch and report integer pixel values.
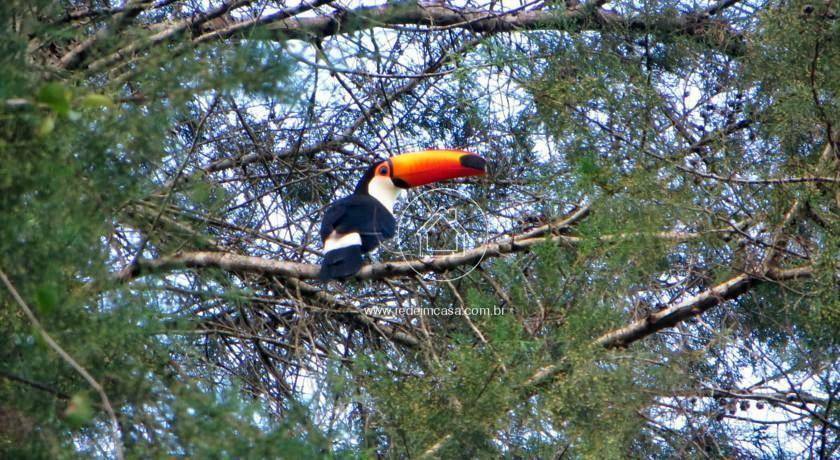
(286, 269)
(287, 25)
(171, 32)
(250, 264)
(577, 19)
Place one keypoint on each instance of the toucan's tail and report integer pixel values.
(341, 262)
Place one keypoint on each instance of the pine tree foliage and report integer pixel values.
(656, 276)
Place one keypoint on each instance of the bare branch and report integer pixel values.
(695, 306)
(286, 269)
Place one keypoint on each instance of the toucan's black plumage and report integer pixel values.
(362, 214)
(358, 223)
(341, 263)
(358, 213)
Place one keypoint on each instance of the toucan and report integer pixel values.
(356, 224)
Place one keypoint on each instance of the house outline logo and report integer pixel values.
(443, 219)
(442, 231)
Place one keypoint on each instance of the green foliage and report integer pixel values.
(72, 158)
(634, 112)
(793, 67)
(467, 391)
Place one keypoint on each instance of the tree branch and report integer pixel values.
(286, 269)
(693, 306)
(688, 308)
(697, 305)
(286, 24)
(410, 13)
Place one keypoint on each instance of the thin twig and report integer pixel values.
(106, 403)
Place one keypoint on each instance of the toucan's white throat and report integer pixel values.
(382, 188)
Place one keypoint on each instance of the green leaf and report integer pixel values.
(56, 96)
(588, 167)
(46, 298)
(94, 100)
(46, 127)
(201, 193)
(79, 411)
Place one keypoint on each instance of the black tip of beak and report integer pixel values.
(473, 161)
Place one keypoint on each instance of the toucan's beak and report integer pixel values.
(427, 166)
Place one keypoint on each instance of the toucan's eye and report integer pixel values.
(383, 170)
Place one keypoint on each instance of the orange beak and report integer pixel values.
(427, 166)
